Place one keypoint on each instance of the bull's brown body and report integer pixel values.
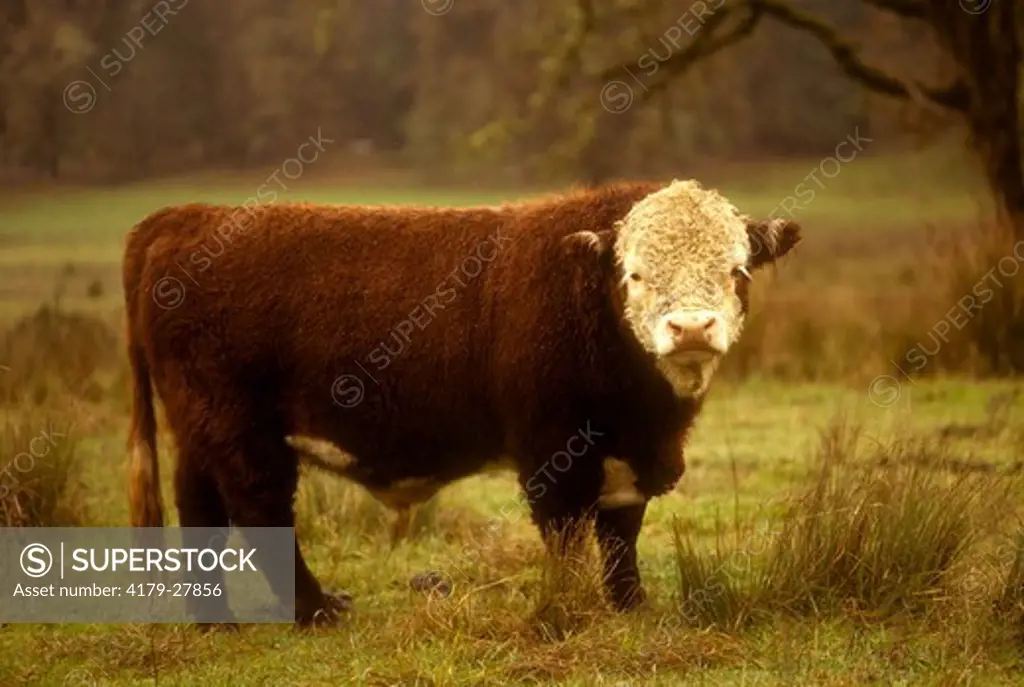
(526, 354)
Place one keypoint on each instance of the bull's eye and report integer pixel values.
(742, 272)
(635, 277)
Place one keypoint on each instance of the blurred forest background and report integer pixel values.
(453, 88)
(103, 102)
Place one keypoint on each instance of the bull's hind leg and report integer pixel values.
(200, 505)
(258, 484)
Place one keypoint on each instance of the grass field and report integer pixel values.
(905, 574)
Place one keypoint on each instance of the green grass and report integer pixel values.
(512, 617)
(745, 458)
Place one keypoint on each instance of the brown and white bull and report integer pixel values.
(427, 343)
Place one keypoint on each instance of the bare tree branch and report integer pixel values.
(710, 40)
(953, 97)
(909, 9)
(706, 44)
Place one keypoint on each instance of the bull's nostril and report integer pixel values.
(691, 329)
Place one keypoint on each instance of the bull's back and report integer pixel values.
(283, 306)
(392, 331)
(312, 267)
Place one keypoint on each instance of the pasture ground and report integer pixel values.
(782, 420)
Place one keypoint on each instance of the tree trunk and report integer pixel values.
(986, 47)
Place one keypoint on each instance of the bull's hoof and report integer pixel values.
(326, 613)
(627, 597)
(431, 581)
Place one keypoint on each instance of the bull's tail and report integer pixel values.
(145, 504)
(144, 498)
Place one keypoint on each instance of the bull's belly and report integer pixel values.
(396, 485)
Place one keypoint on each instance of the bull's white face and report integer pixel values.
(685, 257)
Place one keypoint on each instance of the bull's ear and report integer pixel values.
(600, 242)
(771, 239)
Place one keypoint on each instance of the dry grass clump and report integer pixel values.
(52, 353)
(571, 594)
(1010, 602)
(880, 532)
(39, 484)
(975, 304)
(880, 529)
(715, 589)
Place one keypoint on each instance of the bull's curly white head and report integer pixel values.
(686, 256)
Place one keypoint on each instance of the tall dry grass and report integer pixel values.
(880, 529)
(40, 478)
(984, 268)
(715, 588)
(53, 360)
(1010, 602)
(843, 309)
(571, 596)
(52, 354)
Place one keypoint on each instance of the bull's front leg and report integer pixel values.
(611, 498)
(617, 532)
(620, 513)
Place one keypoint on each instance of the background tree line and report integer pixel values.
(508, 90)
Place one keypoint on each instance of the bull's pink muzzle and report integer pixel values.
(691, 333)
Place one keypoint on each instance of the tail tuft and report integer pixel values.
(144, 499)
